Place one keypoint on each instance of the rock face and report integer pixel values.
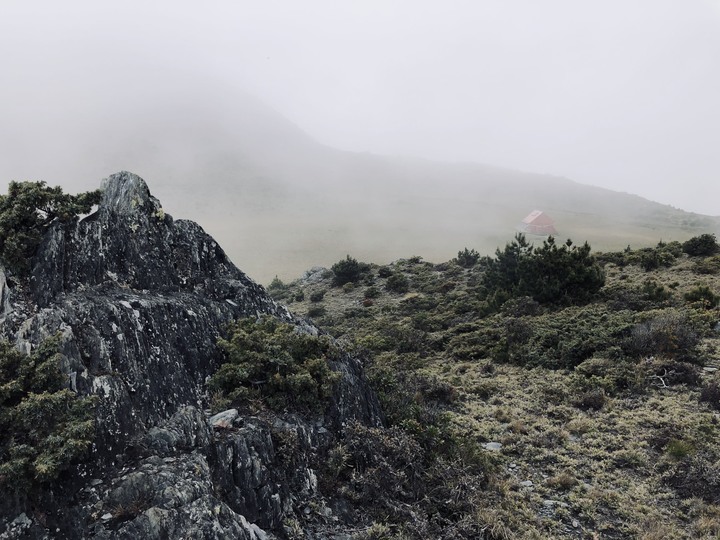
(139, 300)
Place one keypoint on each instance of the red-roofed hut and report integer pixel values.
(538, 223)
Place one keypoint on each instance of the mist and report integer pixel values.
(268, 122)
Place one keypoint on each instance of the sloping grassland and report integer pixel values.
(587, 417)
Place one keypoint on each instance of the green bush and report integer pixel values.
(317, 296)
(372, 292)
(276, 285)
(709, 265)
(348, 270)
(522, 305)
(618, 258)
(559, 340)
(550, 274)
(467, 258)
(679, 448)
(279, 290)
(663, 372)
(655, 292)
(271, 361)
(45, 427)
(610, 375)
(27, 211)
(316, 311)
(348, 287)
(663, 255)
(591, 400)
(703, 245)
(711, 394)
(696, 474)
(385, 272)
(398, 283)
(702, 295)
(670, 334)
(651, 259)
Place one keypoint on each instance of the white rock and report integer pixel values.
(224, 419)
(22, 520)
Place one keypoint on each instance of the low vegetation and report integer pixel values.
(703, 245)
(45, 426)
(27, 211)
(549, 274)
(546, 392)
(270, 362)
(348, 270)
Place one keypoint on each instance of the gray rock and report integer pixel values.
(224, 420)
(493, 446)
(5, 308)
(315, 275)
(139, 300)
(22, 520)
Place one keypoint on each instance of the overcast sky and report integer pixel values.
(623, 94)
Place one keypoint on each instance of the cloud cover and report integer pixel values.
(620, 94)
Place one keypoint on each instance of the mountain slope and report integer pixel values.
(600, 418)
(263, 187)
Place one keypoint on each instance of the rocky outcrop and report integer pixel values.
(139, 300)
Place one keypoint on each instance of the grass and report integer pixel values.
(600, 467)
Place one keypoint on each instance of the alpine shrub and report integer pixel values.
(348, 270)
(45, 427)
(703, 245)
(27, 211)
(467, 258)
(273, 362)
(550, 274)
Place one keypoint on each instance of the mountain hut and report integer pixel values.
(538, 223)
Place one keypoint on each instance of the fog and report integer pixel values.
(617, 94)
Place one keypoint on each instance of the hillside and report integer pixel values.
(150, 389)
(280, 202)
(594, 419)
